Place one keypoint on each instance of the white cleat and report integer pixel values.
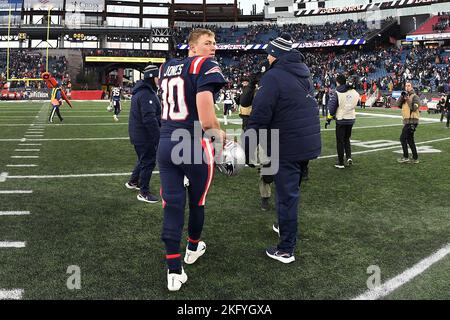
(175, 280)
(191, 256)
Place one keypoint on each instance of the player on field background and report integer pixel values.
(56, 100)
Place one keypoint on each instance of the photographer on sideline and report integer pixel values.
(409, 102)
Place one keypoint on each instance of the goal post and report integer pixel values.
(8, 50)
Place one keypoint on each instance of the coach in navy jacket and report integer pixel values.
(143, 128)
(285, 101)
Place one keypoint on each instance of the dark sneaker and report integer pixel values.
(349, 161)
(147, 198)
(132, 185)
(276, 228)
(264, 204)
(284, 257)
(414, 161)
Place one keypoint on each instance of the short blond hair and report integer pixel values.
(197, 33)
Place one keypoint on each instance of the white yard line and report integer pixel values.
(30, 144)
(21, 165)
(387, 148)
(69, 124)
(409, 274)
(16, 191)
(15, 294)
(80, 139)
(27, 150)
(14, 213)
(93, 175)
(24, 157)
(384, 115)
(12, 244)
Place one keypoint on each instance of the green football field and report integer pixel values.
(74, 210)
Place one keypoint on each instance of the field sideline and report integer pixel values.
(63, 203)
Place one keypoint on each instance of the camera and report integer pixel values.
(404, 94)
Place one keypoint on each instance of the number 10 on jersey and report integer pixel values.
(171, 109)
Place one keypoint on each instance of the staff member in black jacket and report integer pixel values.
(143, 128)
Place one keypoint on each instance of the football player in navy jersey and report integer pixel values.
(116, 94)
(227, 106)
(189, 87)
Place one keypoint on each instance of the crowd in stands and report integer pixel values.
(443, 23)
(262, 33)
(29, 64)
(385, 68)
(124, 53)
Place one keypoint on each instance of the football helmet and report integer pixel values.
(232, 160)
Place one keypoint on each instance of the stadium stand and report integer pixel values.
(439, 23)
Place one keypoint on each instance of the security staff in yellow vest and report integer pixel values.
(342, 105)
(409, 102)
(56, 101)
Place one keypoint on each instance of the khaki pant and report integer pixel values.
(264, 188)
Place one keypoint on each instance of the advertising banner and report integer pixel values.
(44, 4)
(15, 5)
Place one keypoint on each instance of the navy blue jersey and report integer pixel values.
(180, 81)
(116, 93)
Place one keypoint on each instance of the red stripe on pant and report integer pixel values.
(173, 256)
(164, 203)
(209, 151)
(193, 241)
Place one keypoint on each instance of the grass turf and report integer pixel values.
(377, 212)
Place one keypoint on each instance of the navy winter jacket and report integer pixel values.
(285, 101)
(145, 115)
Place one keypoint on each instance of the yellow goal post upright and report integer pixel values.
(8, 79)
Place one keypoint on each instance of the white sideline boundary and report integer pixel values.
(409, 274)
(15, 294)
